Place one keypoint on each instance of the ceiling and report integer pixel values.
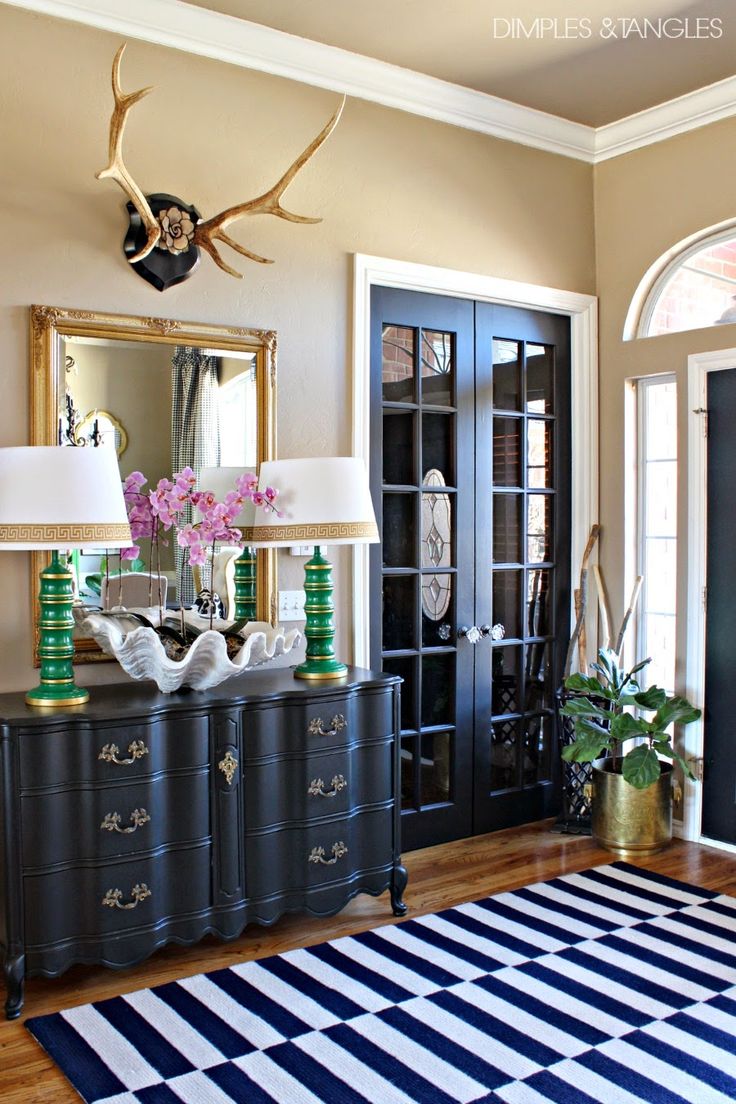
(576, 75)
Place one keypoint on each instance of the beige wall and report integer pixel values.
(646, 202)
(133, 383)
(387, 183)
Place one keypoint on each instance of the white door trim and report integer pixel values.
(583, 313)
(698, 367)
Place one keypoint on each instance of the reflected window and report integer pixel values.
(238, 410)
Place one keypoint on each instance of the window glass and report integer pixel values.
(699, 292)
(657, 535)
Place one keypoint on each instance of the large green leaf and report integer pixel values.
(585, 727)
(641, 766)
(653, 698)
(584, 707)
(585, 684)
(664, 747)
(585, 749)
(625, 725)
(675, 711)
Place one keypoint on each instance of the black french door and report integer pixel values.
(470, 471)
(719, 766)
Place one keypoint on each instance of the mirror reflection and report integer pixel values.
(163, 408)
(165, 395)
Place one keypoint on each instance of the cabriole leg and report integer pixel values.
(399, 878)
(15, 968)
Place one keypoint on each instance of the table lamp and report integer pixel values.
(55, 497)
(322, 501)
(221, 481)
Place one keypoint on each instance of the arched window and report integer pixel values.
(689, 288)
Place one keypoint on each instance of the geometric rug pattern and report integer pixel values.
(612, 986)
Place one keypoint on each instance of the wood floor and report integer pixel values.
(438, 877)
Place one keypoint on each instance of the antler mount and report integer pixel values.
(165, 233)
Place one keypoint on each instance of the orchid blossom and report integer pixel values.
(162, 509)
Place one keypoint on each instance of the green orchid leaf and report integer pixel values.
(641, 767)
(640, 666)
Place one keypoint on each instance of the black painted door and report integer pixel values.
(719, 773)
(470, 474)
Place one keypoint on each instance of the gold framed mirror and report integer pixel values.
(85, 361)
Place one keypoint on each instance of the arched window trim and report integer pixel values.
(651, 286)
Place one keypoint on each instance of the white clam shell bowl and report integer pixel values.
(140, 652)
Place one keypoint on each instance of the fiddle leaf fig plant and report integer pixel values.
(599, 707)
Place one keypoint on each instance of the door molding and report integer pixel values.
(698, 367)
(583, 313)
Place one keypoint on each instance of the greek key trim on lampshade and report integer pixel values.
(322, 500)
(326, 534)
(61, 536)
(60, 497)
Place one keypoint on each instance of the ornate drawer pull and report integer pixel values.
(317, 786)
(111, 823)
(317, 854)
(338, 723)
(139, 893)
(228, 765)
(136, 750)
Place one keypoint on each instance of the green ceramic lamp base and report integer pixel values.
(245, 585)
(56, 647)
(319, 629)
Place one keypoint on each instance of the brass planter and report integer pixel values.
(628, 821)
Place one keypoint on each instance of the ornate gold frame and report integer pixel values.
(50, 324)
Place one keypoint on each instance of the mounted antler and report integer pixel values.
(175, 227)
(269, 203)
(116, 170)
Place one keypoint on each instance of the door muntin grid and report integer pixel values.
(524, 491)
(419, 545)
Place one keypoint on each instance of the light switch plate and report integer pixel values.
(291, 605)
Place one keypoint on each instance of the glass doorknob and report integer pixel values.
(471, 633)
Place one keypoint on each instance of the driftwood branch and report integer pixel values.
(604, 608)
(629, 612)
(581, 602)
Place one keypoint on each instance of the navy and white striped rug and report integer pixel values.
(615, 985)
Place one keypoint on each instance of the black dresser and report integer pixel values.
(143, 818)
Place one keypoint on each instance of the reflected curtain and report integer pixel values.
(195, 430)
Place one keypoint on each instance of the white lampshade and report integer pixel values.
(323, 500)
(61, 497)
(221, 481)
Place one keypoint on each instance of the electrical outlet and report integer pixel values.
(301, 550)
(291, 605)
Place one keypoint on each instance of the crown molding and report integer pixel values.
(253, 46)
(212, 34)
(694, 109)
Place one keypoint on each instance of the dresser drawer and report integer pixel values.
(333, 721)
(288, 859)
(68, 904)
(93, 823)
(324, 784)
(112, 752)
